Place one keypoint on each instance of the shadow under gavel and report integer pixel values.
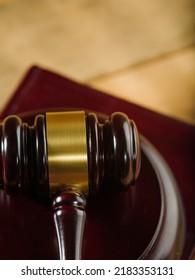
(67, 157)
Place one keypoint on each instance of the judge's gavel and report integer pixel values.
(68, 156)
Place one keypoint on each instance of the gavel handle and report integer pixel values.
(69, 217)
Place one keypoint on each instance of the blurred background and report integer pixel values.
(142, 51)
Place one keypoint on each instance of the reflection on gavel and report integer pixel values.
(68, 156)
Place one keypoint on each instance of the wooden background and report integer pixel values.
(140, 50)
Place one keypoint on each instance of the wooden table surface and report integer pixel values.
(141, 53)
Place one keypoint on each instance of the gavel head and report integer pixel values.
(66, 149)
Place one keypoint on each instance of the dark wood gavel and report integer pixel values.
(68, 156)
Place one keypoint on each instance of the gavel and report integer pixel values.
(67, 157)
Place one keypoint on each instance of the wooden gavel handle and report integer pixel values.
(69, 216)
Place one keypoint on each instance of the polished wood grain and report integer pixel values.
(23, 157)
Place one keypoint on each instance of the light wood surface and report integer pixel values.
(139, 50)
(166, 84)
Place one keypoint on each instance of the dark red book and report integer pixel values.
(42, 89)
